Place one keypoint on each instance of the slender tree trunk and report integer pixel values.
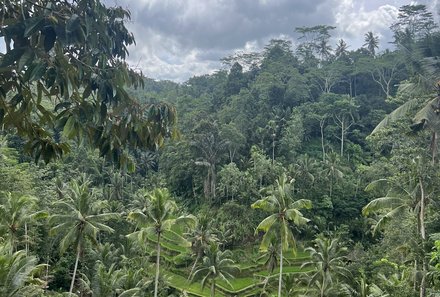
(322, 285)
(212, 288)
(422, 211)
(194, 265)
(281, 270)
(321, 125)
(273, 148)
(26, 238)
(434, 147)
(423, 236)
(213, 181)
(342, 137)
(74, 270)
(156, 280)
(331, 185)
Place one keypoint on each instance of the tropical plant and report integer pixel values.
(81, 217)
(201, 237)
(85, 80)
(329, 264)
(156, 220)
(215, 265)
(16, 212)
(371, 42)
(18, 274)
(283, 211)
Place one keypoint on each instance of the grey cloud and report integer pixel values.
(177, 39)
(224, 24)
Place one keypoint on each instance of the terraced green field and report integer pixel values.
(247, 283)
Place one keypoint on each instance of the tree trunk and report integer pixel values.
(321, 125)
(212, 288)
(281, 270)
(26, 238)
(194, 265)
(331, 185)
(74, 270)
(156, 280)
(342, 137)
(434, 147)
(322, 285)
(423, 236)
(273, 148)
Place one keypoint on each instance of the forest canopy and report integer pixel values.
(308, 168)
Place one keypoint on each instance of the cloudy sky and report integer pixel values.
(177, 39)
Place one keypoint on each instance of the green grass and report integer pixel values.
(180, 283)
(238, 285)
(286, 270)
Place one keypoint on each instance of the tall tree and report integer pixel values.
(82, 216)
(64, 69)
(328, 260)
(215, 265)
(284, 210)
(371, 42)
(156, 219)
(16, 212)
(414, 21)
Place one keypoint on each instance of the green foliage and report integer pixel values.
(64, 69)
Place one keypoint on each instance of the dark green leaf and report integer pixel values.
(32, 25)
(49, 38)
(11, 57)
(25, 59)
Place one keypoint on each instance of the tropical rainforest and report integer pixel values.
(305, 169)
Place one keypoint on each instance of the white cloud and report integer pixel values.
(354, 20)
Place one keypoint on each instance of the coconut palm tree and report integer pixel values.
(283, 212)
(18, 274)
(328, 261)
(201, 236)
(332, 170)
(371, 42)
(15, 215)
(81, 217)
(215, 265)
(156, 219)
(341, 49)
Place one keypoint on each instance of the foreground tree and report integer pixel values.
(156, 219)
(15, 214)
(81, 218)
(284, 211)
(328, 260)
(18, 274)
(215, 265)
(64, 69)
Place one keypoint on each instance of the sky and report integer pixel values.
(178, 39)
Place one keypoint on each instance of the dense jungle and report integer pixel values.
(304, 169)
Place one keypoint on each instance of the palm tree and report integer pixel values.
(428, 117)
(201, 236)
(156, 219)
(332, 170)
(284, 210)
(81, 218)
(398, 200)
(341, 49)
(215, 265)
(328, 261)
(371, 42)
(17, 274)
(110, 282)
(15, 214)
